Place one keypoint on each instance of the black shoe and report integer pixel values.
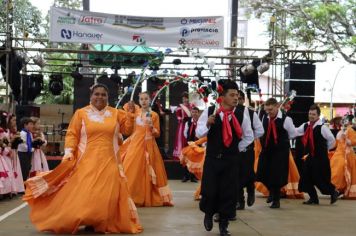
(233, 218)
(269, 199)
(89, 228)
(193, 179)
(333, 197)
(275, 205)
(208, 222)
(185, 179)
(216, 217)
(312, 202)
(250, 198)
(240, 205)
(223, 225)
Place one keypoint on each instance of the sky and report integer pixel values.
(345, 86)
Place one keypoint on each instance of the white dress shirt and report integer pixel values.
(247, 133)
(257, 125)
(23, 146)
(325, 132)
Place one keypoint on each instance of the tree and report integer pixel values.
(26, 18)
(326, 24)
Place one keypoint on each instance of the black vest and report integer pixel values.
(320, 143)
(215, 144)
(282, 140)
(251, 113)
(191, 136)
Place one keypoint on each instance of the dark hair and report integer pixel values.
(195, 108)
(316, 108)
(9, 118)
(26, 120)
(185, 95)
(242, 94)
(146, 92)
(98, 85)
(3, 119)
(229, 84)
(271, 101)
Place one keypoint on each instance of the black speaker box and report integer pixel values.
(25, 111)
(82, 92)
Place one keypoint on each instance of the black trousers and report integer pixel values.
(316, 172)
(25, 162)
(219, 186)
(246, 178)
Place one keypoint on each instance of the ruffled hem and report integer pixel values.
(292, 191)
(133, 211)
(166, 195)
(37, 186)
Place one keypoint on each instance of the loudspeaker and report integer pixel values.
(82, 92)
(113, 89)
(25, 111)
(300, 76)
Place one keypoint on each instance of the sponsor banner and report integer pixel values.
(72, 26)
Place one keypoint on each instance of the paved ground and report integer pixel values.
(185, 218)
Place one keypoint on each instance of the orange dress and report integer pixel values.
(143, 164)
(337, 165)
(350, 170)
(193, 156)
(89, 186)
(291, 189)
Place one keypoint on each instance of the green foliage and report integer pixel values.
(25, 18)
(328, 25)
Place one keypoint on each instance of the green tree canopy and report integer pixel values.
(26, 18)
(326, 24)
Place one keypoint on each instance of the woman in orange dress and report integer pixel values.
(350, 170)
(193, 157)
(291, 189)
(89, 187)
(142, 160)
(337, 163)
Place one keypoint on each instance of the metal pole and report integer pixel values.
(86, 5)
(8, 48)
(234, 19)
(332, 92)
(233, 34)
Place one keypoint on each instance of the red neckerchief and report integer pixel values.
(308, 138)
(272, 129)
(227, 132)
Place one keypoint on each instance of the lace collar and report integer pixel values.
(98, 116)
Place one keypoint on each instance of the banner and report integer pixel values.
(72, 26)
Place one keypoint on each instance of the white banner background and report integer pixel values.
(72, 26)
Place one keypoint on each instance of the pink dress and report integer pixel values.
(7, 177)
(16, 169)
(182, 112)
(39, 161)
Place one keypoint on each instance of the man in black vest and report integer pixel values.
(317, 140)
(189, 134)
(273, 162)
(247, 159)
(229, 133)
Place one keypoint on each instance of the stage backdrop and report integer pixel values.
(72, 26)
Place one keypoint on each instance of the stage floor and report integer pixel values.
(185, 218)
